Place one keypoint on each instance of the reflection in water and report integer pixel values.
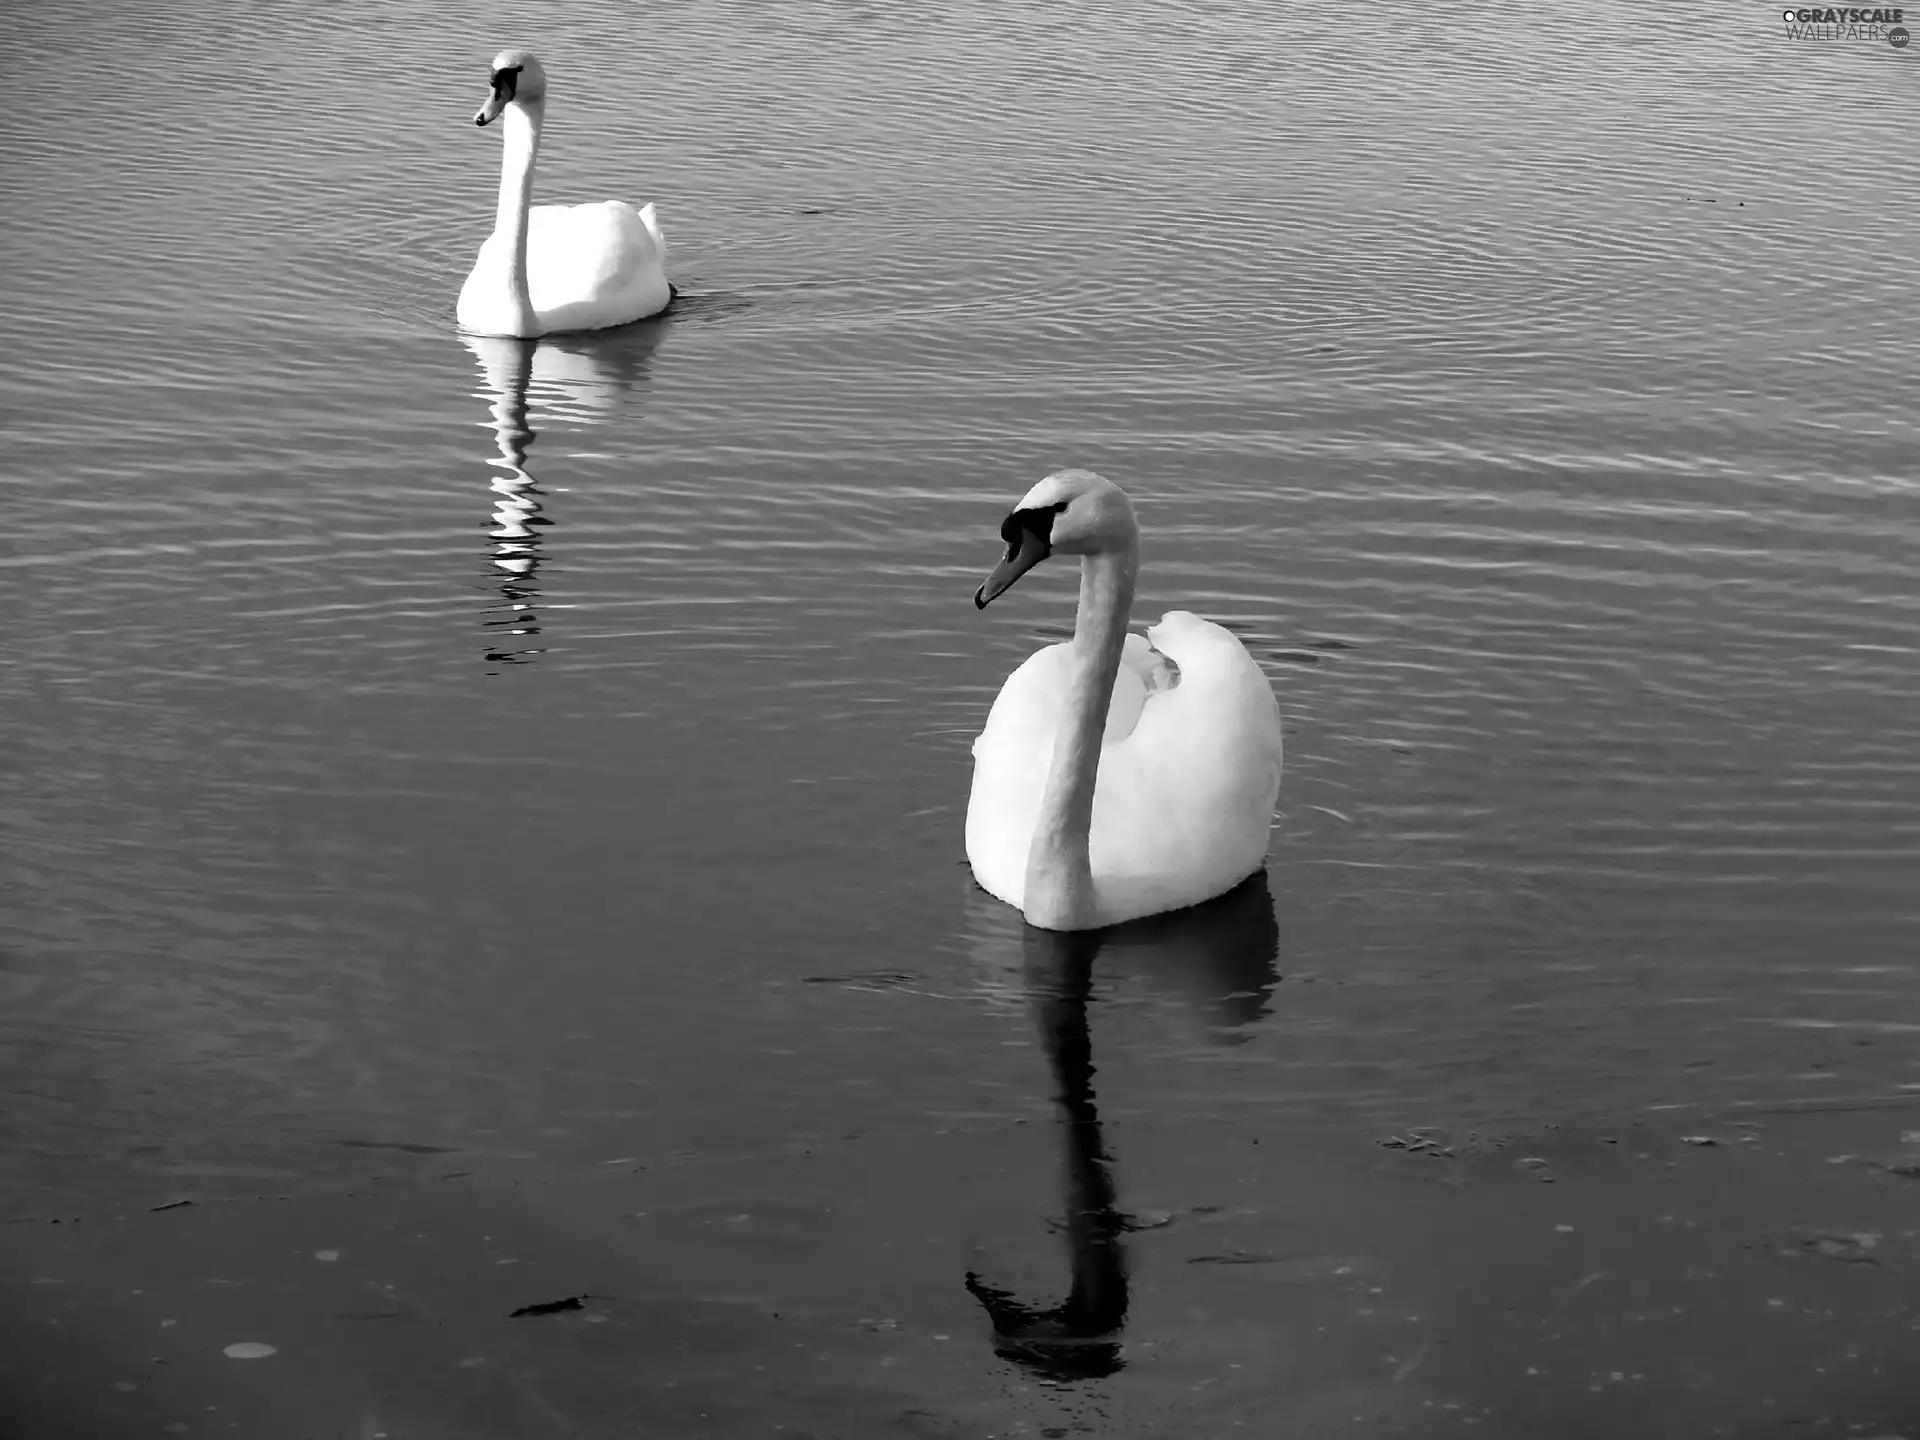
(508, 366)
(1220, 959)
(1077, 1339)
(575, 377)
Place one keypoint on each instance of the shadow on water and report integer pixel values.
(1218, 958)
(581, 378)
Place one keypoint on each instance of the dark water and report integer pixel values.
(427, 758)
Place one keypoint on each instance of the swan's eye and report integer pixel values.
(503, 82)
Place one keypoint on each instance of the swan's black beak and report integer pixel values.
(503, 87)
(1025, 532)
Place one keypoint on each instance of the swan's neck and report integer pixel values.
(1059, 887)
(522, 121)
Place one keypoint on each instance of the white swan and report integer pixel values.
(1105, 786)
(555, 267)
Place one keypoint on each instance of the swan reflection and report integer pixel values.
(1218, 963)
(578, 379)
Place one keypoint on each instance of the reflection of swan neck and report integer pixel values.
(510, 428)
(1097, 1303)
(1059, 885)
(1079, 1338)
(1061, 985)
(506, 365)
(521, 123)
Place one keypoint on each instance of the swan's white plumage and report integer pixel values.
(589, 267)
(1189, 771)
(552, 269)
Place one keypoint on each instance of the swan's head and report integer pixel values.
(516, 76)
(1071, 512)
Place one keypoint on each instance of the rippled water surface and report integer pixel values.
(540, 762)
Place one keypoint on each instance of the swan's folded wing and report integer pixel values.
(588, 255)
(1144, 672)
(650, 220)
(1213, 660)
(1191, 791)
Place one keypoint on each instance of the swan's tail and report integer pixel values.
(652, 221)
(1212, 658)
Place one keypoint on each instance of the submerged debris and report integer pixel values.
(1290, 1269)
(1849, 1247)
(1419, 1140)
(405, 1147)
(1412, 1363)
(1237, 1257)
(1905, 1164)
(884, 979)
(552, 1307)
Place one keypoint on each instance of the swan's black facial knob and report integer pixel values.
(1027, 535)
(503, 83)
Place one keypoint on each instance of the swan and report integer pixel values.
(1117, 777)
(554, 268)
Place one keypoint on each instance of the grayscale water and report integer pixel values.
(420, 761)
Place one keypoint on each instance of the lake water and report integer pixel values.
(426, 760)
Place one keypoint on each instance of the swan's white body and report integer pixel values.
(550, 269)
(1189, 771)
(1187, 775)
(588, 267)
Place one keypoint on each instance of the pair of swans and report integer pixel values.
(1117, 776)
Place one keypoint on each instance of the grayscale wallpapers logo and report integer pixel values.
(1824, 22)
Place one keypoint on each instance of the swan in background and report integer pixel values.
(555, 267)
(1109, 784)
